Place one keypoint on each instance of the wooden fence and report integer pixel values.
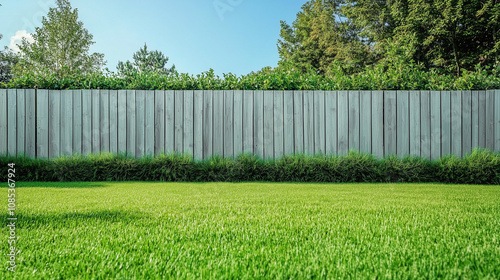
(269, 124)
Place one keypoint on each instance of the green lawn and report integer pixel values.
(255, 230)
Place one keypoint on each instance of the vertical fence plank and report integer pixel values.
(21, 122)
(30, 123)
(66, 122)
(179, 122)
(122, 121)
(140, 104)
(288, 133)
(248, 121)
(113, 121)
(258, 122)
(188, 123)
(378, 123)
(207, 124)
(77, 121)
(365, 122)
(238, 122)
(298, 121)
(403, 123)
(482, 119)
(278, 125)
(354, 120)
(198, 125)
(218, 124)
(149, 123)
(131, 122)
(390, 123)
(319, 122)
(466, 122)
(54, 123)
(497, 120)
(490, 121)
(228, 124)
(169, 122)
(86, 121)
(104, 120)
(445, 123)
(435, 125)
(425, 124)
(331, 122)
(268, 124)
(11, 122)
(456, 123)
(415, 126)
(42, 123)
(159, 127)
(309, 122)
(3, 122)
(475, 118)
(343, 124)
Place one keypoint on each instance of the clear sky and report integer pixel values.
(237, 36)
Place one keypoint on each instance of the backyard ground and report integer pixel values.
(138, 230)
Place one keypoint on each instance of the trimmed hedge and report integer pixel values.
(480, 167)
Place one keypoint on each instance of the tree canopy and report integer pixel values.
(145, 62)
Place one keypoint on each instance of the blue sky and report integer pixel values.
(237, 36)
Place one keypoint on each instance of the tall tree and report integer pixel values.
(145, 62)
(8, 59)
(60, 47)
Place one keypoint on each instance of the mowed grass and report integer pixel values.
(255, 231)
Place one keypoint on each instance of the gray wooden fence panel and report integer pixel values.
(475, 118)
(331, 122)
(198, 125)
(218, 124)
(343, 124)
(131, 122)
(378, 123)
(258, 118)
(113, 121)
(248, 110)
(21, 122)
(31, 123)
(490, 122)
(435, 125)
(278, 125)
(365, 122)
(445, 123)
(159, 119)
(497, 121)
(456, 123)
(86, 121)
(104, 120)
(354, 120)
(169, 122)
(390, 124)
(319, 122)
(12, 122)
(415, 125)
(228, 124)
(298, 122)
(403, 123)
(179, 122)
(54, 123)
(77, 121)
(188, 123)
(149, 124)
(482, 119)
(309, 122)
(66, 122)
(268, 124)
(466, 122)
(238, 122)
(425, 124)
(288, 132)
(42, 123)
(3, 122)
(207, 124)
(140, 105)
(122, 121)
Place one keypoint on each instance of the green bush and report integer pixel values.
(480, 167)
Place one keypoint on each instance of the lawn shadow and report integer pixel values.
(63, 185)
